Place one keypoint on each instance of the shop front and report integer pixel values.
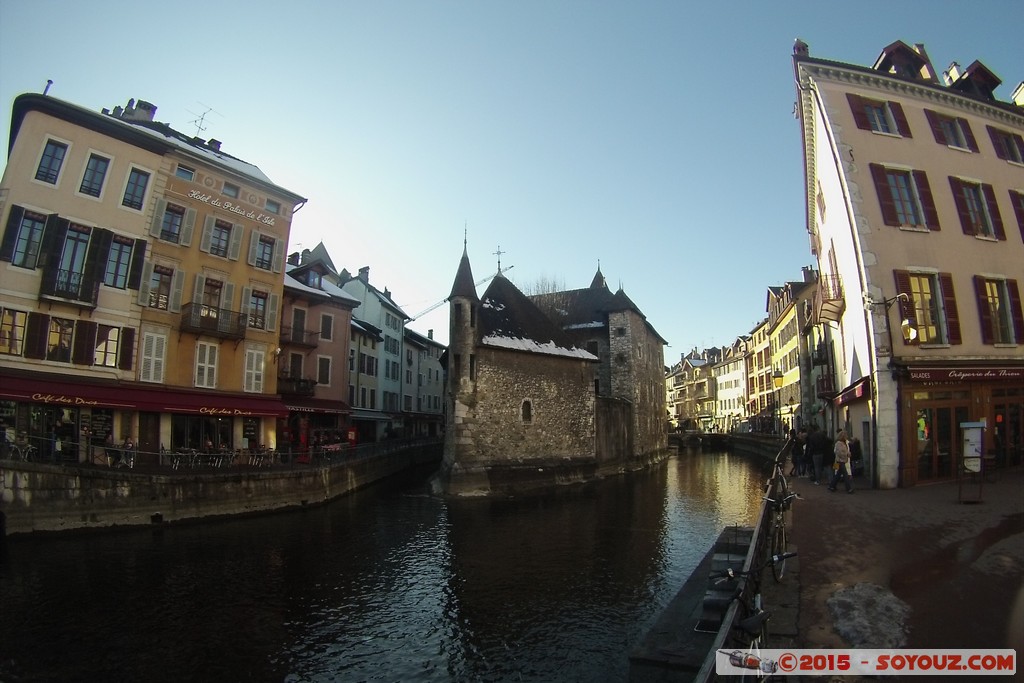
(313, 424)
(936, 401)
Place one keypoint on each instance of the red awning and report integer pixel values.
(74, 393)
(861, 389)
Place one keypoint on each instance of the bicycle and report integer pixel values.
(778, 540)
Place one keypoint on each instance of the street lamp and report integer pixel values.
(908, 330)
(777, 379)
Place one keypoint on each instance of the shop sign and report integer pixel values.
(224, 411)
(965, 374)
(233, 208)
(64, 400)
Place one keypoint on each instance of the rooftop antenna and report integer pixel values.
(201, 118)
(48, 84)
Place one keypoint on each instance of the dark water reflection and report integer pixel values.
(387, 585)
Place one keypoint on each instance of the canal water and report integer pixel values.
(388, 584)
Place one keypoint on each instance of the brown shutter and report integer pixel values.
(126, 348)
(961, 205)
(936, 126)
(907, 309)
(997, 142)
(889, 215)
(993, 212)
(901, 119)
(949, 305)
(984, 311)
(11, 234)
(965, 127)
(1019, 141)
(1016, 311)
(36, 328)
(924, 193)
(859, 115)
(138, 258)
(83, 346)
(1017, 200)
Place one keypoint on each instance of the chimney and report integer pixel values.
(952, 74)
(927, 71)
(800, 48)
(293, 259)
(1018, 95)
(214, 144)
(305, 256)
(430, 334)
(364, 274)
(145, 110)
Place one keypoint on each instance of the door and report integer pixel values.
(939, 438)
(149, 438)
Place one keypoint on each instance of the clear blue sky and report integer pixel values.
(656, 138)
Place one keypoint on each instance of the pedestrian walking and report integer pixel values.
(841, 466)
(817, 446)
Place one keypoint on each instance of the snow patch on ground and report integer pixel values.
(869, 616)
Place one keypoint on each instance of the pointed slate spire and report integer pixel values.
(463, 285)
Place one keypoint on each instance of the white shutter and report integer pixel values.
(157, 226)
(187, 228)
(278, 256)
(177, 285)
(271, 320)
(207, 238)
(236, 241)
(254, 243)
(145, 283)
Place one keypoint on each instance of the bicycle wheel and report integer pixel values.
(778, 547)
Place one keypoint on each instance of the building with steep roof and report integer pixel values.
(914, 186)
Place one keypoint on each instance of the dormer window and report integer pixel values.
(313, 279)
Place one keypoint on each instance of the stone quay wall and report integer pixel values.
(46, 498)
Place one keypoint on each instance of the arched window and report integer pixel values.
(526, 411)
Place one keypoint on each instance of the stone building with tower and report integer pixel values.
(537, 400)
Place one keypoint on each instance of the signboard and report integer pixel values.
(972, 445)
(990, 374)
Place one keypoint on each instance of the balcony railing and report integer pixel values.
(297, 337)
(218, 322)
(825, 386)
(819, 356)
(69, 285)
(829, 301)
(295, 386)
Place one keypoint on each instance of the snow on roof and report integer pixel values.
(548, 348)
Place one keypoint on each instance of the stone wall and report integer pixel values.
(638, 376)
(38, 497)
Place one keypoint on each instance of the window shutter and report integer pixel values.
(907, 307)
(138, 260)
(146, 364)
(50, 250)
(936, 126)
(901, 120)
(965, 128)
(1017, 201)
(924, 193)
(235, 248)
(96, 263)
(157, 226)
(889, 215)
(984, 310)
(949, 305)
(1016, 312)
(254, 241)
(11, 233)
(245, 303)
(207, 238)
(126, 348)
(145, 282)
(36, 328)
(270, 323)
(177, 286)
(997, 142)
(197, 298)
(993, 212)
(961, 205)
(188, 226)
(859, 115)
(83, 346)
(278, 263)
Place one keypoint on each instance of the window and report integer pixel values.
(106, 350)
(26, 246)
(12, 331)
(135, 191)
(154, 346)
(160, 287)
(264, 252)
(220, 238)
(58, 339)
(931, 308)
(879, 116)
(230, 190)
(976, 205)
(95, 173)
(1008, 146)
(72, 262)
(1017, 202)
(51, 162)
(185, 173)
(253, 380)
(905, 198)
(526, 411)
(999, 307)
(323, 371)
(273, 207)
(951, 131)
(170, 227)
(258, 310)
(118, 260)
(206, 365)
(326, 327)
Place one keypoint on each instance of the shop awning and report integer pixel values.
(316, 405)
(74, 392)
(861, 389)
(371, 415)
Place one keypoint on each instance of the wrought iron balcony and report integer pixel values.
(295, 386)
(819, 356)
(217, 322)
(297, 337)
(829, 303)
(69, 286)
(824, 386)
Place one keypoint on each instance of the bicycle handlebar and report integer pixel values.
(730, 574)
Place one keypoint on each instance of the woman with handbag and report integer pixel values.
(841, 467)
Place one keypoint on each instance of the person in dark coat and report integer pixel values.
(817, 446)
